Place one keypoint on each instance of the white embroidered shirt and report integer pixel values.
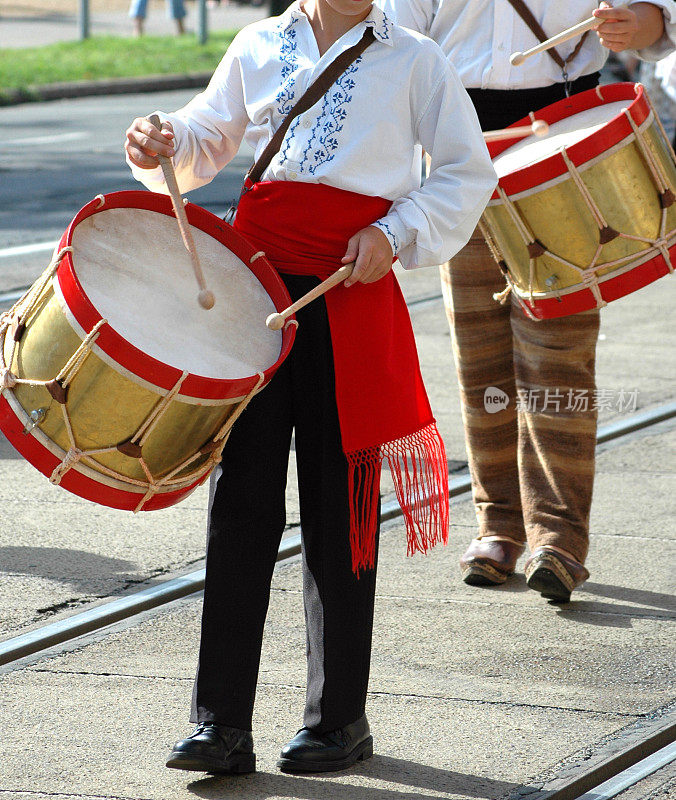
(479, 37)
(364, 136)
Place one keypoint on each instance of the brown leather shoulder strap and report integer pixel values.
(315, 92)
(527, 16)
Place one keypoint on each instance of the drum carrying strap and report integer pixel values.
(527, 16)
(315, 91)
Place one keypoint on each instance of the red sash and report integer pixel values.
(383, 409)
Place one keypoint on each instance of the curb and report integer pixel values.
(64, 91)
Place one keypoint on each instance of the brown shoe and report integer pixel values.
(554, 574)
(489, 561)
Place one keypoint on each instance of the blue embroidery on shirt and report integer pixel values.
(381, 29)
(284, 153)
(330, 121)
(386, 227)
(289, 65)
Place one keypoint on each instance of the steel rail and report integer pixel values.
(632, 775)
(128, 606)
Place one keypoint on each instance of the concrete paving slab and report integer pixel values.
(583, 660)
(472, 691)
(120, 753)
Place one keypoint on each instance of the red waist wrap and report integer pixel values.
(383, 409)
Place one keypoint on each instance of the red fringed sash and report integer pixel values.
(383, 409)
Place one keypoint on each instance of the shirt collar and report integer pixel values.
(382, 27)
(377, 19)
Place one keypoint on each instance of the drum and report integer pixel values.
(115, 383)
(587, 214)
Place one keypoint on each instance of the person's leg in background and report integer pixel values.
(554, 361)
(137, 11)
(482, 347)
(177, 12)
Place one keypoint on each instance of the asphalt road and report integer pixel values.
(55, 157)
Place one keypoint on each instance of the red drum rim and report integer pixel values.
(594, 145)
(611, 288)
(128, 355)
(77, 482)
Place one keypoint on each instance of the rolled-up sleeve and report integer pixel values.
(431, 224)
(208, 130)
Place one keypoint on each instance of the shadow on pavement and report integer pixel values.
(383, 768)
(6, 450)
(74, 567)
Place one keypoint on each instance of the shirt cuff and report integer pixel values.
(397, 234)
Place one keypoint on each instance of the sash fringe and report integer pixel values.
(420, 473)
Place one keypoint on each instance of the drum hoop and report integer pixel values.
(45, 464)
(595, 145)
(647, 123)
(615, 273)
(131, 359)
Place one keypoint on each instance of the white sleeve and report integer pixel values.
(414, 14)
(431, 224)
(208, 130)
(667, 43)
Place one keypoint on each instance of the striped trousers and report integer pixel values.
(531, 462)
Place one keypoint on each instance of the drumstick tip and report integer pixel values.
(516, 59)
(275, 322)
(206, 299)
(540, 127)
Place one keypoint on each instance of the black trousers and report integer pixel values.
(497, 108)
(246, 520)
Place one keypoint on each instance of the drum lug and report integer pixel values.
(667, 199)
(607, 234)
(18, 328)
(37, 416)
(57, 391)
(209, 447)
(131, 449)
(536, 249)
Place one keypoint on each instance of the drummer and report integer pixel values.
(343, 187)
(532, 470)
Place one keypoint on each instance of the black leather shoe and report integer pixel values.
(326, 752)
(214, 748)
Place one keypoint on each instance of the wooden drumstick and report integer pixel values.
(538, 128)
(518, 58)
(205, 297)
(276, 321)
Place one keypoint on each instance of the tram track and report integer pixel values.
(100, 616)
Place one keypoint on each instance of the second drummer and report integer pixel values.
(532, 470)
(343, 187)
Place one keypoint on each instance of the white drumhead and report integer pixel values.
(134, 268)
(563, 133)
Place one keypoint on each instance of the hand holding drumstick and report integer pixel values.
(367, 259)
(618, 29)
(149, 143)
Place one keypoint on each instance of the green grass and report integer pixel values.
(107, 57)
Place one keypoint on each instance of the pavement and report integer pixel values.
(475, 693)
